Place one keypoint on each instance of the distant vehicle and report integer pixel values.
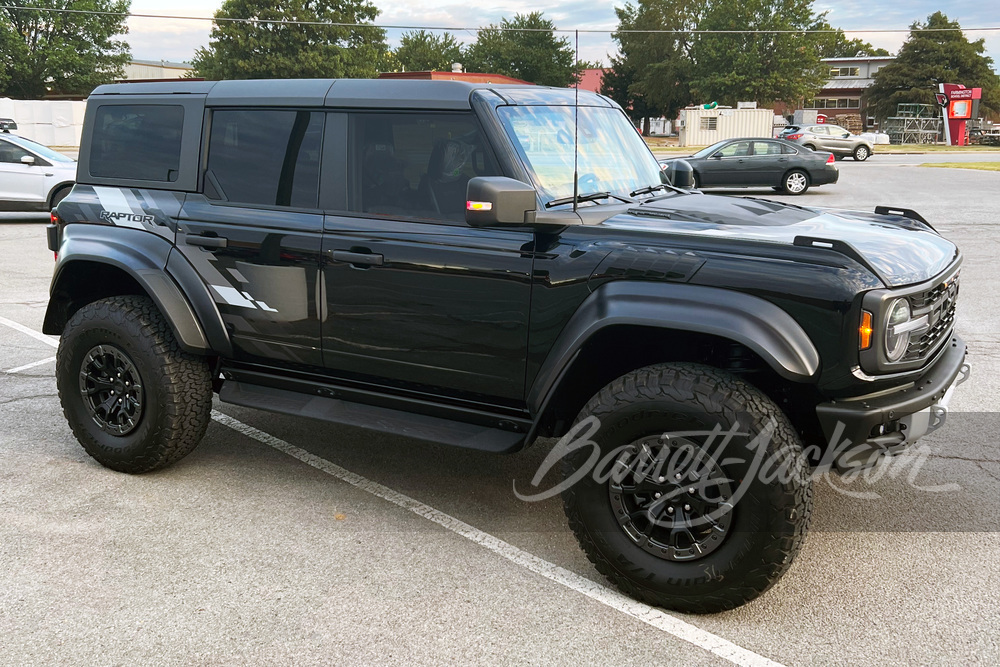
(748, 163)
(831, 138)
(990, 137)
(33, 177)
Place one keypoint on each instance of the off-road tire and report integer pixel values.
(769, 521)
(177, 401)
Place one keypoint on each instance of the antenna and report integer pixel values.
(576, 128)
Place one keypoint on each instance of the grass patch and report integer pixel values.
(934, 148)
(981, 166)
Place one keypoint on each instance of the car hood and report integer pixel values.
(900, 250)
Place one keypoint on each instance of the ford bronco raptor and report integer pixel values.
(482, 266)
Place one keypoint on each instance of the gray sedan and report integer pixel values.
(751, 163)
(832, 138)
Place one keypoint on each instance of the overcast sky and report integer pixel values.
(162, 39)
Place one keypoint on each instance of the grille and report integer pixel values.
(938, 303)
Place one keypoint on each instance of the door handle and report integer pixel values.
(356, 258)
(207, 241)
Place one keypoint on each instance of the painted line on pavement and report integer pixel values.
(48, 340)
(606, 596)
(33, 364)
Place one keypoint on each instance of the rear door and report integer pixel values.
(255, 234)
(770, 163)
(21, 185)
(416, 299)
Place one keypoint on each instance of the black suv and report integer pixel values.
(481, 266)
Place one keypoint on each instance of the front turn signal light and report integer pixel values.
(865, 331)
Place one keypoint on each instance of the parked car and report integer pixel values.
(754, 163)
(33, 177)
(831, 138)
(990, 137)
(425, 259)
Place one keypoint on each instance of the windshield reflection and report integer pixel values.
(612, 156)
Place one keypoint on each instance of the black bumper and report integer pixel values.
(861, 416)
(826, 176)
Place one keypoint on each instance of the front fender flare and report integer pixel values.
(758, 324)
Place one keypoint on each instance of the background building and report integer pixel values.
(155, 70)
(847, 81)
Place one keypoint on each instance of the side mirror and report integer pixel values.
(498, 200)
(680, 174)
(717, 156)
(28, 159)
(847, 135)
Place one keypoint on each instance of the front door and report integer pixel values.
(21, 185)
(255, 235)
(416, 298)
(730, 168)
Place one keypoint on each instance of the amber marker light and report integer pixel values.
(865, 330)
(478, 206)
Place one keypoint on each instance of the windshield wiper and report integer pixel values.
(590, 196)
(649, 189)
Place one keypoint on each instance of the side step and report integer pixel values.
(374, 418)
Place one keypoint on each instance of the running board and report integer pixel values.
(371, 417)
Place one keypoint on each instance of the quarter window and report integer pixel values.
(137, 141)
(265, 156)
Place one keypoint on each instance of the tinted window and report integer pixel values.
(137, 142)
(788, 150)
(11, 153)
(268, 157)
(766, 148)
(416, 165)
(738, 149)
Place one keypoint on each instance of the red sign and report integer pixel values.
(961, 94)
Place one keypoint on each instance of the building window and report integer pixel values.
(833, 103)
(710, 123)
(845, 71)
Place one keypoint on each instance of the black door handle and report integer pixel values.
(356, 258)
(207, 241)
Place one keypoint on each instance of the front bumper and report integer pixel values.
(860, 430)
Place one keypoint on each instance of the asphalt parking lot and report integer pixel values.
(283, 541)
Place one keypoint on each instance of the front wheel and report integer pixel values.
(861, 153)
(134, 399)
(796, 182)
(698, 496)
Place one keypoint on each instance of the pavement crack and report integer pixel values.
(27, 398)
(962, 458)
(988, 471)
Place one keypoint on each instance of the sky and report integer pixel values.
(174, 39)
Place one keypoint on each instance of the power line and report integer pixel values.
(225, 19)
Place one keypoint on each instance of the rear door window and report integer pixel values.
(268, 157)
(766, 148)
(137, 142)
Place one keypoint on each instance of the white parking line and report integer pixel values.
(37, 335)
(642, 612)
(650, 615)
(31, 365)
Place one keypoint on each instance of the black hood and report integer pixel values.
(902, 251)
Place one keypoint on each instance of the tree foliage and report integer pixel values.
(756, 66)
(524, 47)
(836, 45)
(240, 50)
(420, 51)
(651, 75)
(928, 59)
(60, 53)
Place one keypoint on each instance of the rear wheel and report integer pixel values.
(809, 146)
(795, 182)
(675, 516)
(59, 195)
(861, 153)
(134, 399)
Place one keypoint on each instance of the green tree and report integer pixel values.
(61, 53)
(651, 75)
(240, 50)
(927, 59)
(420, 51)
(764, 66)
(525, 48)
(836, 45)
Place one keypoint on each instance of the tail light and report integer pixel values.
(53, 235)
(793, 137)
(831, 159)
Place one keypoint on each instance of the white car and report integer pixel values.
(33, 177)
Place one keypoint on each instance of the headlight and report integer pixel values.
(897, 341)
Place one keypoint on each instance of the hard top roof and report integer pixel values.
(381, 93)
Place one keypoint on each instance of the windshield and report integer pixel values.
(612, 155)
(42, 151)
(710, 150)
